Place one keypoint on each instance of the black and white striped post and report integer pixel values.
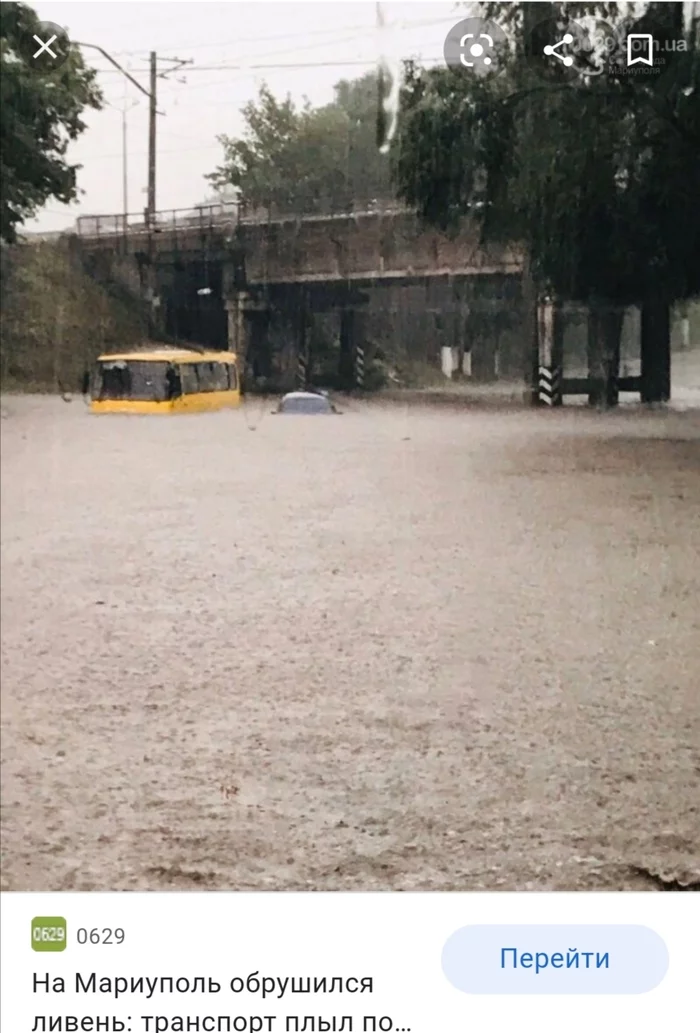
(549, 378)
(549, 386)
(359, 366)
(302, 370)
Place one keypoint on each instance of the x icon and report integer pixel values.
(45, 46)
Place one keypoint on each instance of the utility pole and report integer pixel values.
(142, 89)
(125, 176)
(152, 113)
(126, 107)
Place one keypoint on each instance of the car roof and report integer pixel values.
(304, 394)
(168, 355)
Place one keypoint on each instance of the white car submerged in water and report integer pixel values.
(306, 403)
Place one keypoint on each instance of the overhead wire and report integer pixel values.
(242, 76)
(142, 154)
(354, 38)
(253, 63)
(368, 30)
(260, 63)
(291, 66)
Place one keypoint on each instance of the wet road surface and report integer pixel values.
(404, 648)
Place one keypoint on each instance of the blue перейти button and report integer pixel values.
(555, 959)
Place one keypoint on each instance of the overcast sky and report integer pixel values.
(297, 48)
(223, 40)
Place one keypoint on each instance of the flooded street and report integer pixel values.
(401, 649)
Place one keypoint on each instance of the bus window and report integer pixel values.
(136, 381)
(190, 382)
(148, 381)
(113, 381)
(207, 376)
(174, 383)
(221, 376)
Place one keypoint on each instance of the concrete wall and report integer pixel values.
(363, 247)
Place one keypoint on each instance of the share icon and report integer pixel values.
(551, 51)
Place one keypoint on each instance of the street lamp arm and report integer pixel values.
(93, 46)
(152, 112)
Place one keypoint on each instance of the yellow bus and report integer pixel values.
(165, 380)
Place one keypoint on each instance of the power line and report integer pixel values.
(312, 46)
(242, 77)
(360, 29)
(367, 63)
(298, 49)
(141, 154)
(246, 72)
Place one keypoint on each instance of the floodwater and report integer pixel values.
(405, 648)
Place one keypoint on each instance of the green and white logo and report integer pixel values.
(49, 934)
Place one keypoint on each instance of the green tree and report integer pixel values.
(39, 117)
(598, 179)
(307, 160)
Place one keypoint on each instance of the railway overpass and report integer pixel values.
(260, 285)
(376, 283)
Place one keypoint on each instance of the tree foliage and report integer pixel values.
(307, 160)
(40, 114)
(599, 178)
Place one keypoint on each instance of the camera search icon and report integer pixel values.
(475, 50)
(473, 46)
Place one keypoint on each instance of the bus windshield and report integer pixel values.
(138, 381)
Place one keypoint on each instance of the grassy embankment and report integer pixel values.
(55, 319)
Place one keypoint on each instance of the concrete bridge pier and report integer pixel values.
(237, 328)
(248, 325)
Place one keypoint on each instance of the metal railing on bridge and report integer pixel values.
(198, 224)
(210, 221)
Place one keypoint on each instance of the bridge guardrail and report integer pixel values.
(204, 218)
(211, 219)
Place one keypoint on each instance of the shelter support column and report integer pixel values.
(655, 347)
(604, 330)
(531, 361)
